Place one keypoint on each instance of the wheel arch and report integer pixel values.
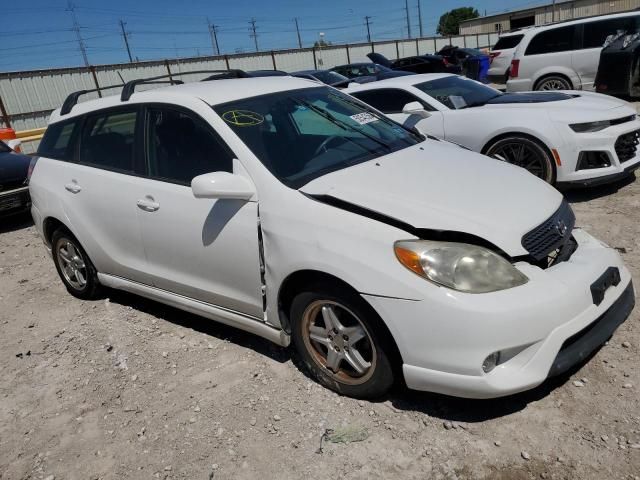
(563, 74)
(297, 281)
(50, 225)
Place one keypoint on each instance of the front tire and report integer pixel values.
(338, 337)
(553, 82)
(74, 266)
(526, 153)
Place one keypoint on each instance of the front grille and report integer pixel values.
(552, 234)
(626, 145)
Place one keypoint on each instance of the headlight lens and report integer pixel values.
(590, 126)
(460, 266)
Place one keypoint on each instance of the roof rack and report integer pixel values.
(72, 98)
(129, 87)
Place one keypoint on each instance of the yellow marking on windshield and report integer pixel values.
(242, 118)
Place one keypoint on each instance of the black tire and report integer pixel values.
(524, 152)
(553, 82)
(90, 288)
(379, 378)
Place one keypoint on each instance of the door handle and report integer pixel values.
(73, 187)
(148, 205)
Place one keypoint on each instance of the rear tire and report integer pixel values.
(553, 82)
(74, 266)
(337, 336)
(524, 152)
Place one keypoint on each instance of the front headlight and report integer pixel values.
(590, 126)
(460, 266)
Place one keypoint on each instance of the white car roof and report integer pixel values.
(404, 81)
(212, 92)
(577, 21)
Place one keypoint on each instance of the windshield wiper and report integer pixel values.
(344, 125)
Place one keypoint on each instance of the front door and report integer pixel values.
(199, 248)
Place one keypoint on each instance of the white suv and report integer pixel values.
(564, 56)
(293, 211)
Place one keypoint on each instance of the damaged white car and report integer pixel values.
(295, 212)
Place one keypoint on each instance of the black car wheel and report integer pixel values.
(336, 335)
(526, 153)
(74, 266)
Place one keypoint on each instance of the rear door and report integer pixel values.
(549, 51)
(592, 36)
(98, 189)
(203, 249)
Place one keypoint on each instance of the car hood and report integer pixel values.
(13, 167)
(438, 186)
(569, 106)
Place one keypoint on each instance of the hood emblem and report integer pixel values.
(561, 228)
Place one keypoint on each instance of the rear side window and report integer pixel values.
(181, 147)
(389, 100)
(108, 141)
(595, 33)
(57, 141)
(560, 39)
(505, 43)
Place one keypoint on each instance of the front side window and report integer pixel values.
(181, 147)
(458, 92)
(303, 134)
(108, 141)
(388, 100)
(560, 39)
(595, 33)
(56, 142)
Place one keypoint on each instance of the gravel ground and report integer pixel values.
(127, 388)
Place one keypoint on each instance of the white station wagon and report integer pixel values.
(296, 212)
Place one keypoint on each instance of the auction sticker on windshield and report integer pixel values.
(363, 118)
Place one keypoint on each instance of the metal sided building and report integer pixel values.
(551, 12)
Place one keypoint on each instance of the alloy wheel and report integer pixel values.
(553, 84)
(521, 155)
(72, 264)
(338, 342)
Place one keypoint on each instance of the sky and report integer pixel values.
(40, 34)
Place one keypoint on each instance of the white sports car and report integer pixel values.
(570, 137)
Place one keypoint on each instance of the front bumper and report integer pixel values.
(603, 141)
(444, 341)
(14, 201)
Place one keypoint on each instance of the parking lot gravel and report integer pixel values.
(128, 388)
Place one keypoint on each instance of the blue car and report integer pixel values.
(14, 192)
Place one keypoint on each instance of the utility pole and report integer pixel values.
(298, 32)
(125, 35)
(366, 19)
(406, 8)
(553, 11)
(253, 33)
(214, 37)
(76, 27)
(420, 19)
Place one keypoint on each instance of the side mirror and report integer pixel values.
(415, 108)
(223, 185)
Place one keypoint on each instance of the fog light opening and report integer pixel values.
(593, 159)
(491, 362)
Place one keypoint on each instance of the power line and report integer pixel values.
(126, 40)
(298, 32)
(71, 8)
